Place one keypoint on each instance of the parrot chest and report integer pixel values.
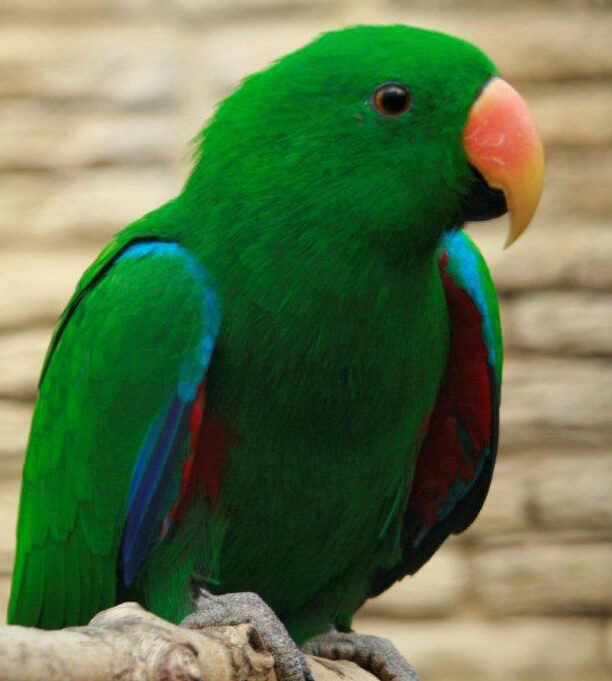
(323, 453)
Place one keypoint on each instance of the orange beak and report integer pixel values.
(502, 142)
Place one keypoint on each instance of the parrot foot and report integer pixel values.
(246, 607)
(372, 653)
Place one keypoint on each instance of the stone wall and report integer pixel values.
(98, 102)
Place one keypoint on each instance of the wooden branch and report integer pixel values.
(127, 643)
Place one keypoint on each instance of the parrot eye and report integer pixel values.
(391, 99)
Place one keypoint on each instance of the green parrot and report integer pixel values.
(278, 394)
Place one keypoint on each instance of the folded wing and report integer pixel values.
(114, 429)
(455, 464)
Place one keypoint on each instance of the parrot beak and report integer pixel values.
(502, 143)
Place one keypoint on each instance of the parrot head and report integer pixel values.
(385, 135)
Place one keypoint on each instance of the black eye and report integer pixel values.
(391, 99)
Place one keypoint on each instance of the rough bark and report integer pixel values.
(127, 643)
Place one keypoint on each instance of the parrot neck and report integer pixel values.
(281, 273)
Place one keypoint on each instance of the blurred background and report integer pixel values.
(98, 102)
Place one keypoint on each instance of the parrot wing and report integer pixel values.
(455, 464)
(114, 429)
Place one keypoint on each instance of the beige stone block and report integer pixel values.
(14, 428)
(5, 590)
(9, 504)
(21, 358)
(548, 5)
(434, 591)
(547, 488)
(62, 10)
(36, 285)
(577, 182)
(20, 196)
(559, 322)
(35, 137)
(98, 204)
(558, 578)
(11, 466)
(519, 648)
(573, 490)
(556, 402)
(505, 511)
(572, 114)
(569, 253)
(89, 205)
(137, 139)
(120, 66)
(608, 643)
(203, 9)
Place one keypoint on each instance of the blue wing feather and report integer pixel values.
(150, 491)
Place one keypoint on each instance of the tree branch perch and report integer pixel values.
(127, 643)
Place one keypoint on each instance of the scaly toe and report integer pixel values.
(373, 653)
(246, 607)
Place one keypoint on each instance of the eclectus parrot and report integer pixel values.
(287, 379)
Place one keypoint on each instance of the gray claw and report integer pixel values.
(247, 607)
(373, 653)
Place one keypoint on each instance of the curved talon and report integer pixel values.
(248, 607)
(373, 653)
